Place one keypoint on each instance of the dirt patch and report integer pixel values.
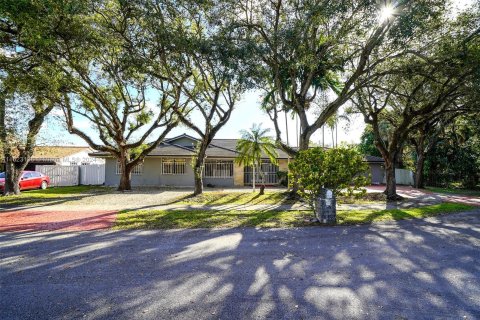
(31, 220)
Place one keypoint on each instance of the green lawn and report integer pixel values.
(51, 194)
(169, 219)
(465, 192)
(216, 198)
(367, 216)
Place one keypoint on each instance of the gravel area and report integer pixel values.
(106, 200)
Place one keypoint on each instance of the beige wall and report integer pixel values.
(237, 174)
(283, 164)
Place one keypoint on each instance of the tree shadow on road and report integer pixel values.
(408, 269)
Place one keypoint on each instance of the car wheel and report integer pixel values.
(44, 185)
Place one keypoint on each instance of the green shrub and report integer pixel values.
(282, 178)
(341, 169)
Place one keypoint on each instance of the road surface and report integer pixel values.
(418, 269)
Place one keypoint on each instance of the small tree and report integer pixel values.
(252, 147)
(341, 169)
(27, 96)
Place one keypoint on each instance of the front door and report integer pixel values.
(268, 171)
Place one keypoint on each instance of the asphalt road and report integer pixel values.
(408, 270)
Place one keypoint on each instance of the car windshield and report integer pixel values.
(2, 175)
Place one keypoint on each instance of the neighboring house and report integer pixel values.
(62, 155)
(377, 169)
(170, 164)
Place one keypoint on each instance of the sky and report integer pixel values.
(246, 113)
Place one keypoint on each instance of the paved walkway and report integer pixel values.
(422, 269)
(428, 196)
(77, 220)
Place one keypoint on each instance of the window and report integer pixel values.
(27, 175)
(136, 171)
(218, 169)
(268, 172)
(173, 166)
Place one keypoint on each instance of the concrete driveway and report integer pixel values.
(426, 196)
(416, 269)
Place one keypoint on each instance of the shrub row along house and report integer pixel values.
(170, 164)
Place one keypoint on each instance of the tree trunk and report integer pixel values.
(419, 180)
(253, 179)
(12, 179)
(125, 183)
(198, 166)
(197, 171)
(262, 187)
(391, 189)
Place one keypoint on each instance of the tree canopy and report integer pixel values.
(434, 78)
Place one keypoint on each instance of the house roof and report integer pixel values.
(57, 152)
(54, 153)
(219, 148)
(374, 159)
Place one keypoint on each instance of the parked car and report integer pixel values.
(29, 180)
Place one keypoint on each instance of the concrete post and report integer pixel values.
(326, 207)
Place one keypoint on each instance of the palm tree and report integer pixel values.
(333, 123)
(254, 144)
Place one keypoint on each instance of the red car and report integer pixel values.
(29, 180)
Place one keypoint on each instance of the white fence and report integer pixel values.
(403, 176)
(62, 176)
(93, 174)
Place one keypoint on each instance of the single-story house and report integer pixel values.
(170, 164)
(62, 155)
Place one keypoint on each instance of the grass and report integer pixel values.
(184, 219)
(465, 192)
(217, 198)
(51, 194)
(208, 198)
(368, 216)
(170, 219)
